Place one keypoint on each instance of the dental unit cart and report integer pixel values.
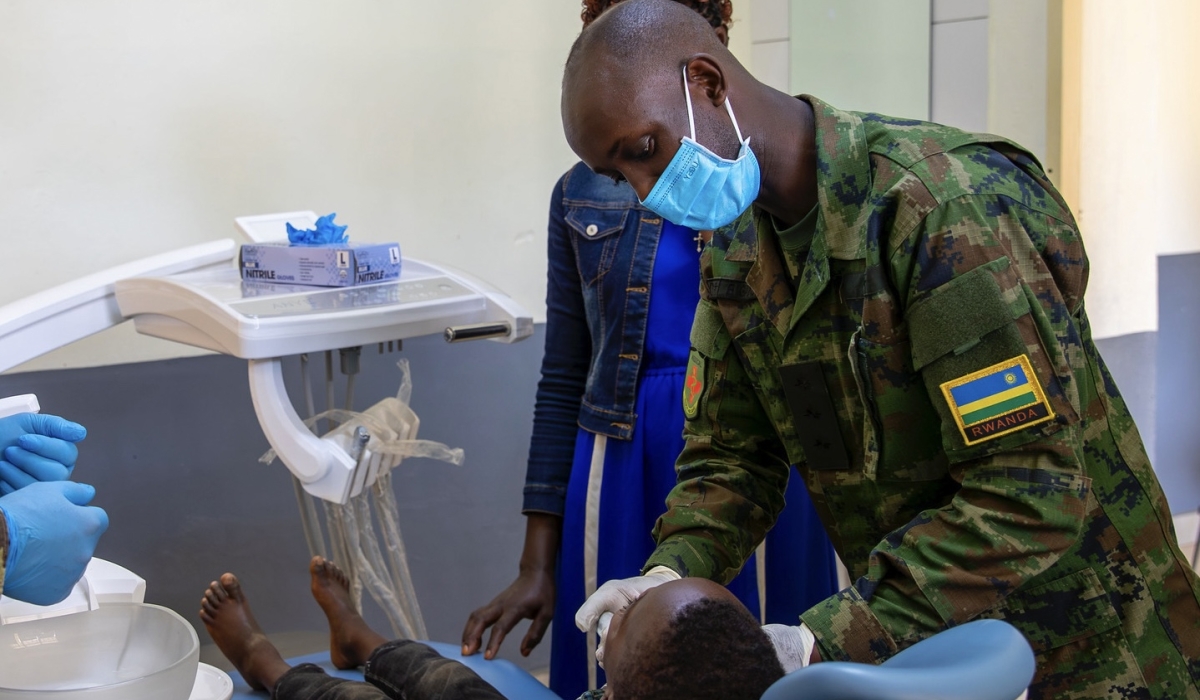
(196, 296)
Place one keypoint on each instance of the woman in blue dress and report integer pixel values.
(622, 288)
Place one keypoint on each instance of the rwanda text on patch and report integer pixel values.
(997, 400)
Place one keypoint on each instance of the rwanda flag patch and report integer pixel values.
(997, 400)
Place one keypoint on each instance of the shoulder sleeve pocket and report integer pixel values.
(709, 335)
(984, 364)
(957, 315)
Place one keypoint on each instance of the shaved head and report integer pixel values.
(637, 33)
(623, 104)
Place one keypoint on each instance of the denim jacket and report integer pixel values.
(602, 244)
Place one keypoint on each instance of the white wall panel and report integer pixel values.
(1017, 72)
(958, 10)
(870, 55)
(770, 19)
(772, 65)
(960, 74)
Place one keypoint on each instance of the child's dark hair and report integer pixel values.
(717, 12)
(715, 650)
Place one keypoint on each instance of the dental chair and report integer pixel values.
(511, 680)
(981, 660)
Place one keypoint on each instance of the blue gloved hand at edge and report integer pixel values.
(52, 533)
(37, 447)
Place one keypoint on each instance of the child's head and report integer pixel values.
(688, 639)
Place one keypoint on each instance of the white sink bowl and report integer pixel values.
(129, 651)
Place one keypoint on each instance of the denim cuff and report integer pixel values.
(544, 498)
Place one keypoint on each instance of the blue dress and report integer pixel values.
(628, 481)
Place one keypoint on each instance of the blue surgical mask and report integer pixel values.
(701, 190)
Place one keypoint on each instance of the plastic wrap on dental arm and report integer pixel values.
(379, 563)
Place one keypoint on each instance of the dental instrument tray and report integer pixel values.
(216, 309)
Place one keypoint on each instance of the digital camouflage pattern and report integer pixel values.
(937, 254)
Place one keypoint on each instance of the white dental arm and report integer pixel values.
(323, 467)
(45, 321)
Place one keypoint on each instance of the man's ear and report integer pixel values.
(704, 72)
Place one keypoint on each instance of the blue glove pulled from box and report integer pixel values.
(325, 233)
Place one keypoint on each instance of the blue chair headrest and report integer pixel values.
(980, 660)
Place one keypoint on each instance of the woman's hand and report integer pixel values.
(530, 597)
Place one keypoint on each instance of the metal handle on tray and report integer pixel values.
(478, 331)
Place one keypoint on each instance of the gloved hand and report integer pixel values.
(615, 595)
(37, 447)
(52, 533)
(602, 630)
(793, 644)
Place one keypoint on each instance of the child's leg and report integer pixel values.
(407, 669)
(226, 614)
(404, 669)
(310, 682)
(351, 640)
(227, 617)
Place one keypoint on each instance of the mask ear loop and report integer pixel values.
(729, 108)
(687, 93)
(692, 118)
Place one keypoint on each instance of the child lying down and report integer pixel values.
(685, 639)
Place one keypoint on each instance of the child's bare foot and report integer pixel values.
(227, 617)
(351, 641)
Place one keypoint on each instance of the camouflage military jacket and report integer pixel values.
(929, 369)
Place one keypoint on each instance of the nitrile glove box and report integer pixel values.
(333, 265)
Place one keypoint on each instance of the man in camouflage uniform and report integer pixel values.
(901, 316)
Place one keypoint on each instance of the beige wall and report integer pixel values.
(1179, 121)
(133, 127)
(1119, 141)
(1138, 146)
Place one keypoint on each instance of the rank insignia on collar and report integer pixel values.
(693, 386)
(997, 400)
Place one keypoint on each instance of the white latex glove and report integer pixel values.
(614, 596)
(793, 645)
(602, 630)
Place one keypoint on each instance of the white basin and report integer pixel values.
(119, 651)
